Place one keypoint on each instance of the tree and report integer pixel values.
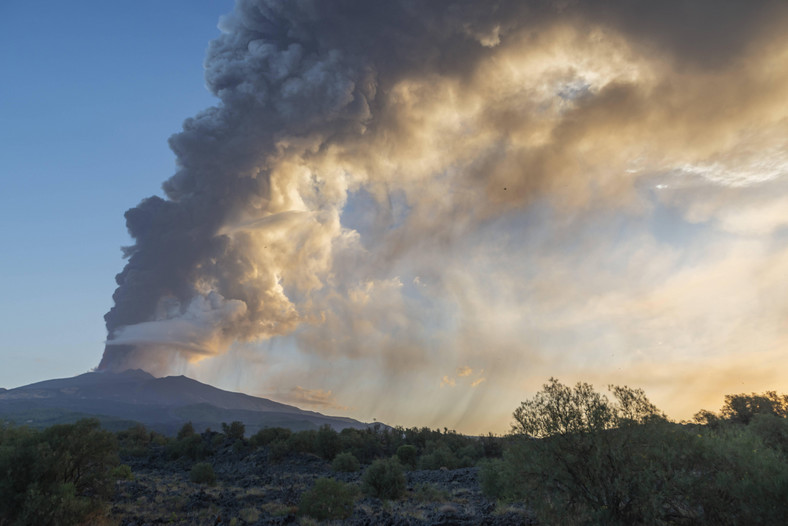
(235, 431)
(83, 455)
(384, 479)
(328, 499)
(327, 442)
(408, 455)
(576, 452)
(345, 462)
(186, 431)
(202, 473)
(269, 434)
(61, 475)
(741, 408)
(562, 410)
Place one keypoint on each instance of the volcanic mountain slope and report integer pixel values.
(162, 404)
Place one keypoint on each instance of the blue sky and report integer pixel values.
(91, 92)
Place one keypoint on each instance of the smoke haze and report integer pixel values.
(399, 201)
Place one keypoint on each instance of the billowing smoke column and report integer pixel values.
(455, 112)
(245, 215)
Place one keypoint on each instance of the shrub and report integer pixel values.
(577, 457)
(186, 431)
(384, 479)
(346, 462)
(408, 455)
(327, 442)
(441, 457)
(363, 443)
(192, 447)
(578, 454)
(327, 500)
(492, 479)
(469, 455)
(303, 441)
(57, 476)
(773, 430)
(492, 446)
(59, 504)
(269, 434)
(122, 472)
(235, 431)
(202, 473)
(742, 408)
(742, 480)
(135, 441)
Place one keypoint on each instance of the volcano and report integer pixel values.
(122, 399)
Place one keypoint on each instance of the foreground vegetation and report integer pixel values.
(580, 458)
(574, 456)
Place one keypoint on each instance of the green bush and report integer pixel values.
(269, 434)
(742, 408)
(61, 475)
(740, 480)
(468, 456)
(577, 454)
(122, 472)
(578, 458)
(328, 500)
(408, 455)
(492, 479)
(303, 441)
(185, 431)
(345, 462)
(135, 441)
(617, 476)
(441, 457)
(59, 504)
(202, 473)
(384, 479)
(365, 444)
(772, 429)
(234, 431)
(193, 447)
(327, 443)
(491, 446)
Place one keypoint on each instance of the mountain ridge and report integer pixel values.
(163, 404)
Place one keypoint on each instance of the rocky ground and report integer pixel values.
(251, 489)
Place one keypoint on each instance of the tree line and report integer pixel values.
(573, 455)
(578, 457)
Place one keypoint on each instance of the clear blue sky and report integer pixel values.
(90, 92)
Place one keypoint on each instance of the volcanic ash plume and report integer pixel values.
(369, 181)
(246, 231)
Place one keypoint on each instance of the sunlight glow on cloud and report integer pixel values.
(582, 194)
(310, 398)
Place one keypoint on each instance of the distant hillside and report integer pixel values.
(163, 404)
